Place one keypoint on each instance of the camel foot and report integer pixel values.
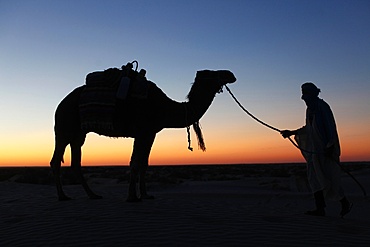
(95, 197)
(133, 199)
(316, 212)
(64, 198)
(147, 197)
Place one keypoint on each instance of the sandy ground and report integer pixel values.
(249, 211)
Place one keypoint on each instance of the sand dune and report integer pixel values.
(247, 211)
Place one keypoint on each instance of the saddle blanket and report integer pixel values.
(103, 88)
(97, 108)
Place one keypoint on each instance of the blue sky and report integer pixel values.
(48, 47)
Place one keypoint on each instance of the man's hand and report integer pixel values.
(286, 133)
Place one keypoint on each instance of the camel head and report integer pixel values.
(219, 76)
(211, 81)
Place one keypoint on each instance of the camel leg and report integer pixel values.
(132, 193)
(142, 182)
(55, 165)
(138, 165)
(76, 155)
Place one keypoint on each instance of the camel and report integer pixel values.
(136, 118)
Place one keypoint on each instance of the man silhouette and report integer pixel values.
(319, 143)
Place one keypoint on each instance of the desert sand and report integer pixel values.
(244, 205)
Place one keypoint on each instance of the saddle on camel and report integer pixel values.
(106, 91)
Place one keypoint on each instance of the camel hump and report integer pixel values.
(125, 81)
(107, 78)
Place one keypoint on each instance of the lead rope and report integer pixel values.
(295, 144)
(250, 114)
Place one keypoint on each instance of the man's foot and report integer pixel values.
(95, 196)
(346, 208)
(131, 198)
(146, 197)
(316, 212)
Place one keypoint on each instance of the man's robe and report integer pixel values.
(319, 144)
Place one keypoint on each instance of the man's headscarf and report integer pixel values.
(310, 90)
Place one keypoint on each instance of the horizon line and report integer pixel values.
(160, 165)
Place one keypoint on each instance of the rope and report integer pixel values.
(276, 129)
(187, 128)
(250, 114)
(189, 140)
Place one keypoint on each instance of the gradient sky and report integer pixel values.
(48, 47)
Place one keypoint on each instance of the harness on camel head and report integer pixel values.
(196, 126)
(198, 131)
(295, 144)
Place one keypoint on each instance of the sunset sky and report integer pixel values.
(272, 47)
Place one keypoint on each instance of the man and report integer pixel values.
(319, 143)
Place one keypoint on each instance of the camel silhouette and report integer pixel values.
(137, 118)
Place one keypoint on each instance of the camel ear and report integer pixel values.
(226, 76)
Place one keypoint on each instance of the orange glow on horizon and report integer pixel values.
(170, 148)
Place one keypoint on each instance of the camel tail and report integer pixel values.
(199, 134)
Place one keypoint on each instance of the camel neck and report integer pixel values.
(200, 98)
